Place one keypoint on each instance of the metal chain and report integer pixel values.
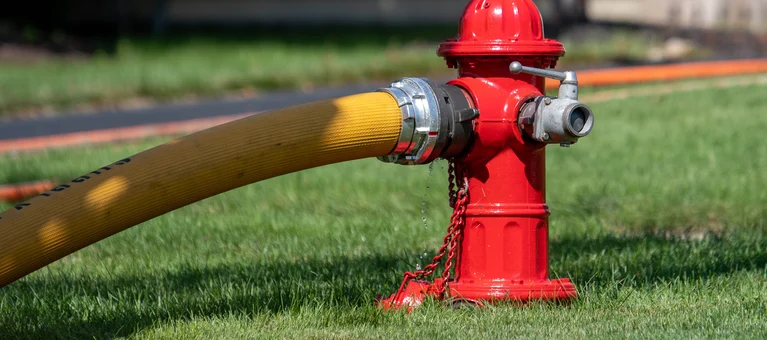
(459, 199)
(457, 221)
(451, 184)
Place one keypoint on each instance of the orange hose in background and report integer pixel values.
(642, 74)
(18, 192)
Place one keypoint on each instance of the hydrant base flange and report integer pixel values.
(415, 292)
(559, 289)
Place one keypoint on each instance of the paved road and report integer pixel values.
(61, 124)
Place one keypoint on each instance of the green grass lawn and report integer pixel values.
(658, 216)
(209, 64)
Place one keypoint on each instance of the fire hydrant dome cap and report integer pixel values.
(501, 28)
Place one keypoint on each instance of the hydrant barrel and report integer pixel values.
(504, 251)
(502, 224)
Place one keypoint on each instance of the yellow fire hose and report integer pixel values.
(136, 189)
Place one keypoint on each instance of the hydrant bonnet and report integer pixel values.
(501, 28)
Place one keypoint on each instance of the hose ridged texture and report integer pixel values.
(136, 189)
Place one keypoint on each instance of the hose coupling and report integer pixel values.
(437, 121)
(562, 119)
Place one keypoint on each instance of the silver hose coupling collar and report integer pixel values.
(437, 121)
(420, 121)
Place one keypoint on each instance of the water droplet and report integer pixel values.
(425, 195)
(417, 267)
(425, 255)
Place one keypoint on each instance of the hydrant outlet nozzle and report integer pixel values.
(559, 120)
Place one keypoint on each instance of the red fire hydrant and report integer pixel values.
(500, 240)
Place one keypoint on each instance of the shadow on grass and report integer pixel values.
(247, 289)
(250, 288)
(643, 260)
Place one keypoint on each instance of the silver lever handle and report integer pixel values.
(567, 77)
(568, 81)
